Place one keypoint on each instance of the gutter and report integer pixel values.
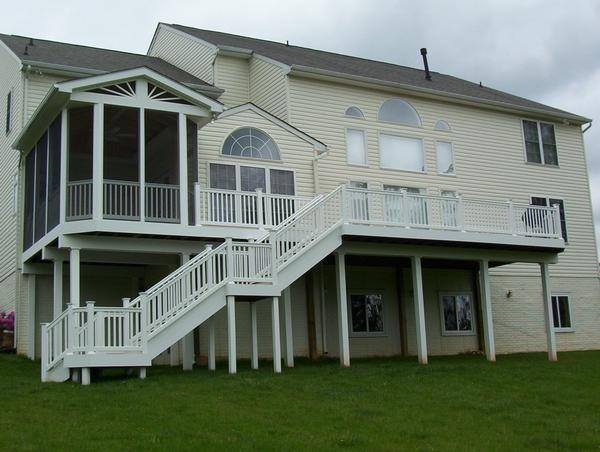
(301, 70)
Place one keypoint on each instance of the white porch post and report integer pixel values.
(344, 341)
(289, 335)
(254, 336)
(187, 343)
(276, 335)
(57, 289)
(231, 343)
(417, 280)
(486, 310)
(31, 280)
(86, 377)
(212, 365)
(98, 162)
(547, 293)
(183, 170)
(64, 150)
(142, 85)
(74, 264)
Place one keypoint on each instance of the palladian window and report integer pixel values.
(400, 112)
(251, 142)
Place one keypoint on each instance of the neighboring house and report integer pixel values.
(389, 210)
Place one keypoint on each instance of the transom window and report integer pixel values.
(251, 142)
(561, 313)
(355, 112)
(366, 311)
(549, 202)
(400, 112)
(442, 125)
(540, 143)
(457, 313)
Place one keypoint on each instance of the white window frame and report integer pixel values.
(238, 183)
(402, 124)
(364, 132)
(570, 329)
(353, 333)
(541, 144)
(389, 168)
(250, 159)
(453, 173)
(473, 330)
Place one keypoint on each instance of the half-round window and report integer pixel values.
(251, 142)
(355, 112)
(442, 125)
(399, 111)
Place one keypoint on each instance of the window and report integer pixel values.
(400, 112)
(8, 112)
(366, 311)
(549, 202)
(356, 147)
(540, 143)
(251, 142)
(401, 153)
(457, 314)
(445, 157)
(223, 176)
(355, 112)
(442, 125)
(282, 182)
(561, 313)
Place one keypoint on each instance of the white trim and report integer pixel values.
(366, 334)
(365, 146)
(275, 120)
(561, 329)
(444, 331)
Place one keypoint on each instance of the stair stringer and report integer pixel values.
(185, 322)
(57, 374)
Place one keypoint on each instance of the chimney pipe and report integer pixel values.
(424, 54)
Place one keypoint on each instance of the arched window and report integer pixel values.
(355, 112)
(442, 125)
(251, 142)
(399, 111)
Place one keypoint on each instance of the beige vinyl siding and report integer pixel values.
(232, 75)
(296, 154)
(488, 153)
(37, 88)
(185, 52)
(11, 80)
(268, 87)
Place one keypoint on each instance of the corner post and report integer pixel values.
(486, 310)
(90, 337)
(74, 264)
(289, 338)
(183, 171)
(64, 150)
(260, 220)
(57, 289)
(344, 340)
(231, 342)
(417, 280)
(98, 162)
(547, 294)
(276, 335)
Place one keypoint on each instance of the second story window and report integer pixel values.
(8, 112)
(445, 157)
(401, 153)
(251, 142)
(540, 143)
(356, 149)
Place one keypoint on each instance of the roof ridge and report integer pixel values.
(305, 48)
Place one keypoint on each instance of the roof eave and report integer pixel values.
(311, 71)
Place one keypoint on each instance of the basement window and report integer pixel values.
(561, 313)
(457, 314)
(366, 312)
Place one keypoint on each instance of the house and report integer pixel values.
(225, 196)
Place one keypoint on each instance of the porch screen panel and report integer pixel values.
(41, 173)
(54, 174)
(80, 143)
(192, 166)
(29, 199)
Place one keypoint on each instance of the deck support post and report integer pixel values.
(187, 343)
(231, 342)
(254, 334)
(57, 288)
(74, 264)
(417, 280)
(485, 298)
(289, 334)
(183, 171)
(85, 376)
(212, 365)
(31, 289)
(142, 373)
(344, 340)
(276, 335)
(547, 294)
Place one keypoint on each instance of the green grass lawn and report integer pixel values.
(454, 403)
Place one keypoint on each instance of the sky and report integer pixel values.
(545, 51)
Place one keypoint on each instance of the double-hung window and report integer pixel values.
(549, 202)
(366, 312)
(356, 149)
(445, 157)
(457, 313)
(561, 313)
(540, 142)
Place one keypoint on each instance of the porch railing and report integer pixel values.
(121, 200)
(79, 200)
(390, 208)
(238, 208)
(162, 203)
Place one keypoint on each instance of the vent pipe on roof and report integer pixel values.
(424, 54)
(26, 51)
(31, 42)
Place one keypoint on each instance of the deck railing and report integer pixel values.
(162, 203)
(238, 208)
(121, 200)
(79, 200)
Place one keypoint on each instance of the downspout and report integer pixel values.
(316, 170)
(587, 128)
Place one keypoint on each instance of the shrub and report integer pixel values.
(7, 321)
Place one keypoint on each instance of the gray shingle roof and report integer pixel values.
(92, 58)
(354, 66)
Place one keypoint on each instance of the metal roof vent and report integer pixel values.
(424, 54)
